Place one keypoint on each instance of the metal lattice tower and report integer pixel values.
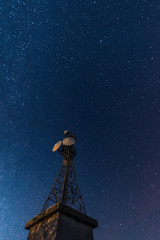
(65, 188)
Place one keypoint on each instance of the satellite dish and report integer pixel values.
(68, 141)
(56, 146)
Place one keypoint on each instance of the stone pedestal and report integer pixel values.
(61, 222)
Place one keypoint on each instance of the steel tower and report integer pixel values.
(65, 188)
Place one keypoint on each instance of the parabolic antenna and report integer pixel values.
(68, 141)
(56, 146)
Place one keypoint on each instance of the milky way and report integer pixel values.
(91, 67)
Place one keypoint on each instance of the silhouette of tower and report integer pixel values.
(67, 218)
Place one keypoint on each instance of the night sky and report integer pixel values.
(91, 67)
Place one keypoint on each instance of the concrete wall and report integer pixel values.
(71, 229)
(45, 230)
(60, 227)
(60, 222)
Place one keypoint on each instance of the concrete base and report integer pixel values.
(61, 222)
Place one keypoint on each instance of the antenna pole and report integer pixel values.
(65, 182)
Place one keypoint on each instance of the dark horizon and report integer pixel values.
(91, 67)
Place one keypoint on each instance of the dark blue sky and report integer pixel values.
(92, 67)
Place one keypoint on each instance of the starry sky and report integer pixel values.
(91, 67)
